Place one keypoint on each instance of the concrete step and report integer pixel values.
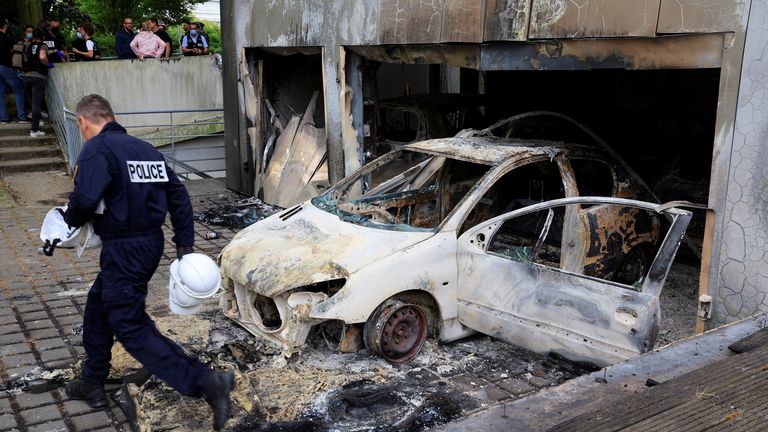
(28, 141)
(21, 129)
(28, 152)
(32, 165)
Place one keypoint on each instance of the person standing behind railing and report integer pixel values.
(9, 77)
(57, 48)
(195, 43)
(58, 39)
(147, 44)
(123, 39)
(155, 28)
(89, 49)
(184, 30)
(35, 77)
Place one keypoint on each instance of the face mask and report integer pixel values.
(29, 35)
(79, 35)
(193, 32)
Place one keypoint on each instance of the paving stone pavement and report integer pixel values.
(41, 308)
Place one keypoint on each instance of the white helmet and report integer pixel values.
(56, 233)
(194, 278)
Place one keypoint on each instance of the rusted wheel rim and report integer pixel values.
(402, 330)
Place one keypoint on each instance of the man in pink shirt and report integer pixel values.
(147, 44)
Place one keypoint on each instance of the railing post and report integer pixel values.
(173, 142)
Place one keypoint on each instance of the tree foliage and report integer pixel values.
(107, 15)
(66, 11)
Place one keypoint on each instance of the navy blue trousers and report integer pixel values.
(115, 309)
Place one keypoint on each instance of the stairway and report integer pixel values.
(21, 153)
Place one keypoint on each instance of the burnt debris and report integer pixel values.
(234, 214)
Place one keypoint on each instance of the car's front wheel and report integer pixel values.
(396, 331)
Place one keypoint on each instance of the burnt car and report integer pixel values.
(408, 119)
(539, 243)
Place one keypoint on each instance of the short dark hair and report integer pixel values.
(87, 28)
(29, 26)
(94, 107)
(153, 20)
(44, 24)
(38, 33)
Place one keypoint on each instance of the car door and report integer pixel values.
(622, 235)
(512, 285)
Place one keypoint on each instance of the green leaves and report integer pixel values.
(107, 15)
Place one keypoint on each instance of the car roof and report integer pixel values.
(491, 150)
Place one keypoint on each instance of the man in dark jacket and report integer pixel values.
(128, 211)
(154, 25)
(123, 39)
(59, 43)
(55, 43)
(9, 77)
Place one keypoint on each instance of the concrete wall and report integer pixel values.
(742, 274)
(152, 85)
(737, 276)
(133, 85)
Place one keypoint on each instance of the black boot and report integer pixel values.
(92, 394)
(217, 389)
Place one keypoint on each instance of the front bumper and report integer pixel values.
(238, 303)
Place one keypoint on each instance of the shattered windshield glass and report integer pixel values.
(402, 191)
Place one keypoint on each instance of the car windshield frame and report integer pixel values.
(330, 200)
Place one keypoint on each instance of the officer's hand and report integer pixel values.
(183, 250)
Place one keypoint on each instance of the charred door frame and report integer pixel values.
(254, 116)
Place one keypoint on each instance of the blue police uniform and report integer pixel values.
(136, 187)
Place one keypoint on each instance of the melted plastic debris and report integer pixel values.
(235, 214)
(57, 376)
(321, 389)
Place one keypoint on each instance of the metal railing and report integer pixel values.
(178, 129)
(181, 125)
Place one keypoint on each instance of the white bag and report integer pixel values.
(56, 233)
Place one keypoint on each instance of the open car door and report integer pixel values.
(511, 284)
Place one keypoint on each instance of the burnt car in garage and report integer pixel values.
(539, 243)
(403, 120)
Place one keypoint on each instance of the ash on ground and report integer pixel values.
(323, 390)
(233, 213)
(679, 302)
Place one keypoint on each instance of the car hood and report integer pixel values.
(297, 248)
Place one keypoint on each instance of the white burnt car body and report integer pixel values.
(457, 235)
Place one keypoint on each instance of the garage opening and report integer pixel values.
(287, 127)
(661, 122)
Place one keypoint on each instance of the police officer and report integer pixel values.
(194, 43)
(55, 45)
(128, 212)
